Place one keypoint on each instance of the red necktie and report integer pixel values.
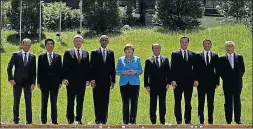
(78, 56)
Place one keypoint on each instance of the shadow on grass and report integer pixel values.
(2, 49)
(92, 34)
(63, 43)
(14, 39)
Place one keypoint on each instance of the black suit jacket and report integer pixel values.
(182, 71)
(49, 75)
(154, 76)
(232, 78)
(22, 74)
(207, 74)
(102, 72)
(74, 72)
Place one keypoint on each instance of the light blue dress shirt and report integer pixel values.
(123, 65)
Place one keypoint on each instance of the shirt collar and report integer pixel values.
(207, 51)
(159, 56)
(102, 48)
(51, 53)
(77, 49)
(183, 51)
(23, 52)
(231, 54)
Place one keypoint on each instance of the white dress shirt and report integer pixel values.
(80, 51)
(209, 56)
(182, 51)
(232, 60)
(159, 59)
(23, 55)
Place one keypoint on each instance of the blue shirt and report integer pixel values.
(123, 65)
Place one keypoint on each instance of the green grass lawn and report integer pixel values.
(142, 39)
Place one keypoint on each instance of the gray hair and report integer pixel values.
(230, 42)
(78, 36)
(26, 40)
(103, 36)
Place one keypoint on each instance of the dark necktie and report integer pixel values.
(50, 59)
(156, 61)
(207, 58)
(25, 59)
(104, 56)
(185, 57)
(78, 56)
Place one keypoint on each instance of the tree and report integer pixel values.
(30, 16)
(101, 16)
(180, 14)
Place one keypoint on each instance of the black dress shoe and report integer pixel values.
(201, 122)
(210, 122)
(55, 123)
(28, 123)
(80, 122)
(15, 122)
(97, 122)
(70, 121)
(179, 122)
(238, 122)
(43, 122)
(187, 122)
(228, 122)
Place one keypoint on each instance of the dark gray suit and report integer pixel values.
(24, 76)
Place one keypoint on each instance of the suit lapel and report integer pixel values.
(73, 54)
(21, 57)
(54, 59)
(235, 60)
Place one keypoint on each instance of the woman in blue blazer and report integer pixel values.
(129, 68)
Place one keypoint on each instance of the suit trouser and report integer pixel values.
(17, 90)
(161, 94)
(75, 91)
(187, 90)
(101, 95)
(45, 92)
(232, 102)
(129, 93)
(204, 90)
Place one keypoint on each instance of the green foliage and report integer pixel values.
(6, 7)
(180, 14)
(30, 16)
(51, 15)
(101, 16)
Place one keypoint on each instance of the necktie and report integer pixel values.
(104, 56)
(78, 57)
(231, 60)
(50, 59)
(185, 57)
(207, 58)
(25, 59)
(156, 61)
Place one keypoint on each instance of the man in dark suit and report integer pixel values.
(49, 80)
(231, 69)
(182, 67)
(24, 78)
(102, 79)
(76, 68)
(156, 82)
(206, 66)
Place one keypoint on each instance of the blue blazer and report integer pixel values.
(123, 65)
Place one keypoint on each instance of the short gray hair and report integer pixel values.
(230, 42)
(26, 40)
(103, 36)
(78, 36)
